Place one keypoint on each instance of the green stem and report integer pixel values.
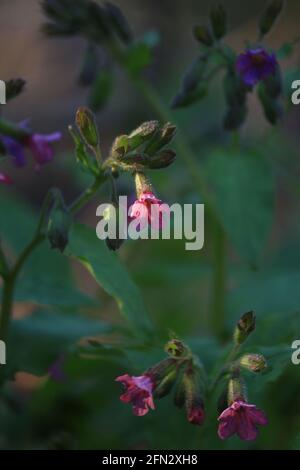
(12, 276)
(218, 280)
(12, 130)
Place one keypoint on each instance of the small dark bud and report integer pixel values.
(88, 72)
(244, 327)
(272, 107)
(162, 159)
(270, 15)
(218, 20)
(119, 22)
(14, 88)
(58, 228)
(203, 35)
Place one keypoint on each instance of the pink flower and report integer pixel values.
(40, 147)
(241, 418)
(138, 392)
(196, 415)
(149, 210)
(5, 179)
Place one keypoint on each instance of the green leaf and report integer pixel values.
(101, 90)
(107, 270)
(140, 54)
(41, 337)
(243, 196)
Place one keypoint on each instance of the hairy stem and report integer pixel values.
(218, 280)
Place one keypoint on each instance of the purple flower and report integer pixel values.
(138, 392)
(15, 149)
(241, 418)
(56, 371)
(255, 65)
(40, 146)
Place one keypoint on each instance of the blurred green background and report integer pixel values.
(57, 301)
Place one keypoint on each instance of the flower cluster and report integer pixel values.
(184, 372)
(255, 66)
(142, 150)
(181, 371)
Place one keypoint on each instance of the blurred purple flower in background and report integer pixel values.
(255, 65)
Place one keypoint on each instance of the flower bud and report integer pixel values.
(165, 385)
(142, 134)
(119, 22)
(236, 390)
(203, 35)
(253, 362)
(161, 138)
(58, 228)
(112, 212)
(14, 88)
(87, 127)
(270, 15)
(162, 159)
(193, 396)
(160, 370)
(218, 21)
(178, 349)
(244, 327)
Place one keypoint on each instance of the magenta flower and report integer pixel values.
(40, 146)
(196, 415)
(5, 179)
(138, 392)
(255, 65)
(149, 210)
(241, 418)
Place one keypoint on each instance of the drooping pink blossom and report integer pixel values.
(241, 418)
(5, 179)
(196, 415)
(138, 392)
(149, 210)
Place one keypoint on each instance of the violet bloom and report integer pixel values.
(40, 146)
(149, 210)
(241, 418)
(56, 371)
(5, 179)
(196, 415)
(255, 65)
(15, 149)
(138, 392)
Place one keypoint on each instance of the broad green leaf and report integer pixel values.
(108, 271)
(242, 193)
(268, 292)
(46, 276)
(36, 341)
